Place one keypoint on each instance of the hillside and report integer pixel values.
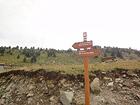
(18, 55)
(66, 60)
(55, 77)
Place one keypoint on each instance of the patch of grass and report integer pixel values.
(79, 68)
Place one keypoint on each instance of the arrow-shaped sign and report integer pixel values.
(79, 45)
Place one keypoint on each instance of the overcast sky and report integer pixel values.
(60, 23)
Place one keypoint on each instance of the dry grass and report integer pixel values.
(78, 69)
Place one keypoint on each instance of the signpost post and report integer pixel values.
(85, 49)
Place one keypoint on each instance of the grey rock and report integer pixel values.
(52, 99)
(66, 97)
(95, 86)
(118, 80)
(30, 94)
(62, 81)
(124, 75)
(51, 86)
(103, 72)
(31, 87)
(120, 85)
(107, 79)
(110, 84)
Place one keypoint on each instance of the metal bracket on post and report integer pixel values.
(85, 49)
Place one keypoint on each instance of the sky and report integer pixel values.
(59, 23)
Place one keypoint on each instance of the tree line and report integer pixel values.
(32, 53)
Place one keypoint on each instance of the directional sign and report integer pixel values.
(85, 49)
(93, 52)
(79, 45)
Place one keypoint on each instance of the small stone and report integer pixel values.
(110, 84)
(62, 81)
(18, 99)
(51, 86)
(41, 78)
(31, 87)
(120, 85)
(103, 72)
(41, 100)
(52, 98)
(124, 75)
(66, 97)
(30, 94)
(118, 80)
(107, 79)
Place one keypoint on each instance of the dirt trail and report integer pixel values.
(118, 87)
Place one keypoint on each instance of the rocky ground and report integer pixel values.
(118, 87)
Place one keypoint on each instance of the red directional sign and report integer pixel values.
(79, 45)
(90, 52)
(85, 49)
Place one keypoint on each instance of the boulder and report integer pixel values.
(95, 86)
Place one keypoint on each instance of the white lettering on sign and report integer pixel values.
(91, 52)
(88, 43)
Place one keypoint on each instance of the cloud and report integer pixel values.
(54, 23)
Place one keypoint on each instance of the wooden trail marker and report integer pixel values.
(86, 50)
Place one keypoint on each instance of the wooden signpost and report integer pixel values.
(86, 50)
